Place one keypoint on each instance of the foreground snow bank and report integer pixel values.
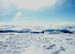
(26, 43)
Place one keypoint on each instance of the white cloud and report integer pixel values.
(6, 8)
(33, 4)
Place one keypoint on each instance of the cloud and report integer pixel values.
(33, 4)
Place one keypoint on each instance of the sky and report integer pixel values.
(40, 11)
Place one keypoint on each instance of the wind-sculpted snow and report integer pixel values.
(24, 43)
(22, 40)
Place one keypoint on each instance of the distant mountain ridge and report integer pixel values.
(38, 29)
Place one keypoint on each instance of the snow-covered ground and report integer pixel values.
(30, 43)
(17, 43)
